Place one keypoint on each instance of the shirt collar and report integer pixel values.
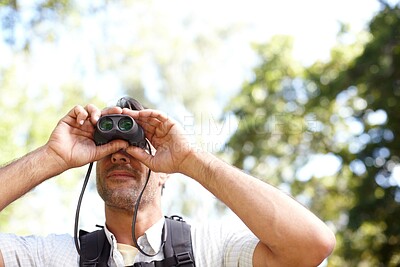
(153, 235)
(110, 237)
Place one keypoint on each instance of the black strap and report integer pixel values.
(95, 249)
(178, 245)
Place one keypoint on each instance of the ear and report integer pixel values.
(163, 177)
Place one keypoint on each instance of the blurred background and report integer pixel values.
(301, 94)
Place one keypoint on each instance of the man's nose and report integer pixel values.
(120, 157)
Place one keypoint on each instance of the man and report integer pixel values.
(281, 232)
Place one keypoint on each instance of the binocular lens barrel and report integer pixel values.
(105, 124)
(119, 126)
(124, 124)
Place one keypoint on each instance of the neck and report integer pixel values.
(120, 222)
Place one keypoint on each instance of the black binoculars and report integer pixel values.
(119, 126)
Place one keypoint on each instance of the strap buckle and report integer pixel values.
(176, 218)
(183, 258)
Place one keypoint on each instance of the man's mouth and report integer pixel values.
(120, 174)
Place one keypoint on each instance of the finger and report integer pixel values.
(146, 122)
(148, 114)
(79, 114)
(156, 124)
(110, 148)
(93, 112)
(111, 110)
(152, 120)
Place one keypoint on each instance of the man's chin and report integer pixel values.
(126, 208)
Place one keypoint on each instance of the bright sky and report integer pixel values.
(313, 23)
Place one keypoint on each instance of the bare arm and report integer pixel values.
(23, 174)
(289, 234)
(70, 145)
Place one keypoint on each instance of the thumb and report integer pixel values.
(141, 155)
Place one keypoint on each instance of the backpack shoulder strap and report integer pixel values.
(95, 249)
(178, 245)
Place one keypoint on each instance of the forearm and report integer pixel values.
(23, 174)
(281, 223)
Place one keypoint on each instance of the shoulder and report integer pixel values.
(32, 250)
(226, 242)
(228, 229)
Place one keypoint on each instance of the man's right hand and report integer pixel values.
(71, 143)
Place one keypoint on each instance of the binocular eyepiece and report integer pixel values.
(119, 126)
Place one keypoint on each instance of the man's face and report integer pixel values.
(120, 179)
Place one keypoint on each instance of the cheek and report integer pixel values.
(98, 166)
(101, 164)
(100, 169)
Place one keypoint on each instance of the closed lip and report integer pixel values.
(120, 174)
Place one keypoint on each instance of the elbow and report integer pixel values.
(319, 248)
(323, 247)
(330, 244)
(307, 253)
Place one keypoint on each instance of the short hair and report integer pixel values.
(129, 102)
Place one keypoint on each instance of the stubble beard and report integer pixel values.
(123, 197)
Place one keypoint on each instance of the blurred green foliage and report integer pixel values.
(346, 108)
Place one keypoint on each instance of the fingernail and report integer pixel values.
(81, 122)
